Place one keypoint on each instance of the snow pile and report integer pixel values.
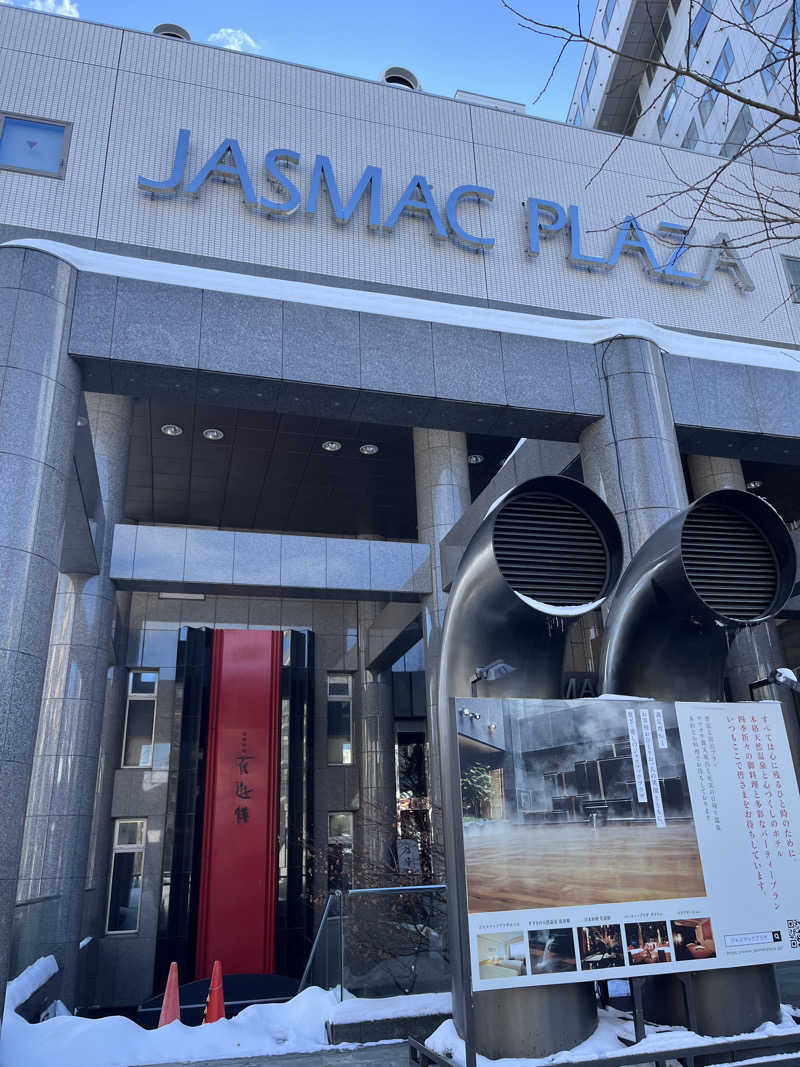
(604, 1042)
(359, 1010)
(263, 1029)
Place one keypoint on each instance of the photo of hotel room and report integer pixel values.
(502, 955)
(648, 943)
(693, 939)
(600, 947)
(554, 817)
(552, 950)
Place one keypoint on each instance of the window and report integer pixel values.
(140, 719)
(691, 138)
(633, 117)
(127, 864)
(34, 146)
(698, 26)
(719, 75)
(340, 850)
(589, 82)
(660, 43)
(777, 54)
(578, 118)
(749, 8)
(792, 268)
(740, 131)
(670, 101)
(608, 14)
(340, 715)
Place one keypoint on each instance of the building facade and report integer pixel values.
(272, 341)
(745, 44)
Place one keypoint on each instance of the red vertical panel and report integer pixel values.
(239, 873)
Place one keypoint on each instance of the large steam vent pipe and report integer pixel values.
(724, 563)
(548, 552)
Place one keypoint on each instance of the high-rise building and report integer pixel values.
(745, 44)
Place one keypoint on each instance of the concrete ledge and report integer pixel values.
(226, 562)
(418, 1026)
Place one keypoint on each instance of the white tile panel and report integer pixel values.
(59, 38)
(164, 84)
(65, 90)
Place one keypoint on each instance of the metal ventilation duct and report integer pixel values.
(548, 552)
(729, 562)
(726, 562)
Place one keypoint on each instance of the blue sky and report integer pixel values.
(449, 44)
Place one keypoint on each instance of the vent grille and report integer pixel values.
(550, 550)
(729, 562)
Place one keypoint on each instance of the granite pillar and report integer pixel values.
(374, 829)
(631, 456)
(58, 823)
(442, 486)
(40, 386)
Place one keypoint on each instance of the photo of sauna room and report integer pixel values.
(552, 951)
(648, 943)
(600, 947)
(693, 939)
(554, 818)
(502, 955)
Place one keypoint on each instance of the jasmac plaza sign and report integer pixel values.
(543, 217)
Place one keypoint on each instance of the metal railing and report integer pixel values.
(382, 942)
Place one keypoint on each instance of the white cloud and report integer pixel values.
(236, 40)
(53, 7)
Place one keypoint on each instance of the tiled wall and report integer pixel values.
(165, 84)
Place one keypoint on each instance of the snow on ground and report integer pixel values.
(358, 1010)
(604, 1042)
(263, 1029)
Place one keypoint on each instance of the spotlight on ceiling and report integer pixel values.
(369, 450)
(331, 446)
(171, 429)
(81, 421)
(755, 484)
(213, 434)
(474, 458)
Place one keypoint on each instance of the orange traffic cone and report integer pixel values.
(171, 1005)
(215, 1004)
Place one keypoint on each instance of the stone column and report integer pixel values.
(442, 484)
(38, 408)
(756, 650)
(63, 779)
(375, 820)
(631, 456)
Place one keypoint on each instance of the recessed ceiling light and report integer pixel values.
(171, 430)
(369, 450)
(331, 446)
(755, 484)
(213, 434)
(474, 458)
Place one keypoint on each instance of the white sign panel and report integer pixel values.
(653, 838)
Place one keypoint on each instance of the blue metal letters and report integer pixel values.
(544, 218)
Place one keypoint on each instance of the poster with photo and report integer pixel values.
(615, 838)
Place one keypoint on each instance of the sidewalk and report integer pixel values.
(394, 1055)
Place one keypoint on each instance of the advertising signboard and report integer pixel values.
(617, 838)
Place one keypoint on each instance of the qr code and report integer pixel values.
(794, 932)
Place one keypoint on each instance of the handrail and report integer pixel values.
(320, 928)
(396, 889)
